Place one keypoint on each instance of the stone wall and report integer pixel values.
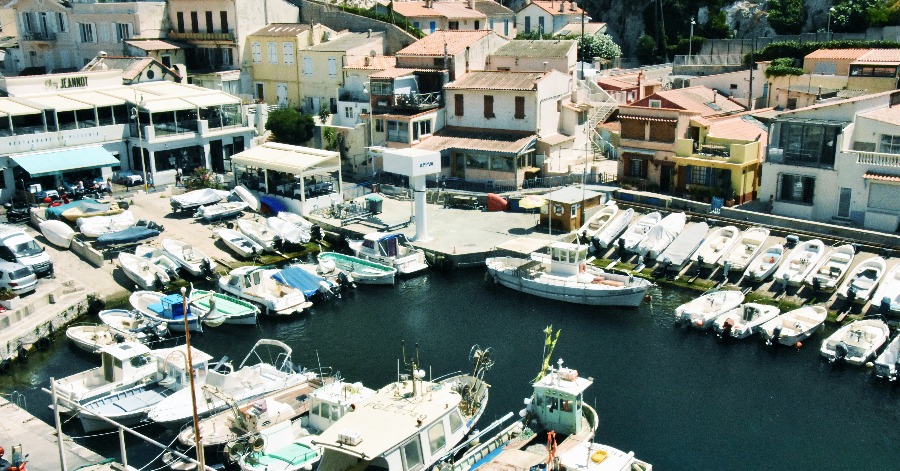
(331, 16)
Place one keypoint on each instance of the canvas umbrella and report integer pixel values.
(532, 202)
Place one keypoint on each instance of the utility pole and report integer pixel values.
(752, 65)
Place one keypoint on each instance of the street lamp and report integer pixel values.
(367, 88)
(691, 40)
(137, 117)
(828, 28)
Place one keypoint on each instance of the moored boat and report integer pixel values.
(717, 244)
(887, 365)
(222, 307)
(244, 194)
(131, 323)
(831, 268)
(606, 235)
(744, 320)
(57, 233)
(856, 342)
(315, 232)
(239, 243)
(800, 262)
(679, 252)
(638, 231)
(189, 257)
(165, 309)
(288, 232)
(123, 365)
(661, 235)
(255, 284)
(146, 274)
(159, 258)
(862, 281)
(197, 198)
(132, 235)
(363, 271)
(598, 221)
(87, 208)
(764, 265)
(96, 226)
(887, 298)
(93, 337)
(794, 326)
(391, 249)
(702, 311)
(259, 233)
(220, 211)
(745, 249)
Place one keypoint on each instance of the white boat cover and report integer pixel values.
(287, 231)
(661, 235)
(681, 249)
(200, 197)
(124, 216)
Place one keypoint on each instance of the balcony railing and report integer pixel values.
(878, 158)
(39, 36)
(419, 101)
(714, 151)
(354, 97)
(229, 36)
(180, 127)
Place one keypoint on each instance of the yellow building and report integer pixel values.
(275, 61)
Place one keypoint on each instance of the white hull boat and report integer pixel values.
(862, 282)
(608, 233)
(679, 252)
(255, 284)
(189, 257)
(259, 233)
(146, 274)
(288, 232)
(716, 245)
(744, 320)
(888, 295)
(247, 197)
(702, 311)
(638, 231)
(856, 342)
(566, 276)
(57, 233)
(794, 326)
(195, 199)
(123, 366)
(800, 262)
(165, 309)
(92, 338)
(219, 308)
(296, 220)
(831, 268)
(763, 266)
(159, 258)
(887, 365)
(661, 235)
(390, 249)
(99, 225)
(133, 324)
(363, 271)
(598, 221)
(219, 211)
(239, 243)
(745, 250)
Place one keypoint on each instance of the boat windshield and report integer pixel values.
(26, 249)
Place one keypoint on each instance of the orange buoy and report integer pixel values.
(798, 344)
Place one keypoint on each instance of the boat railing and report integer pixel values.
(478, 453)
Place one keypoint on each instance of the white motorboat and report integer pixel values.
(591, 456)
(195, 199)
(338, 279)
(221, 210)
(716, 245)
(800, 262)
(97, 226)
(831, 268)
(605, 236)
(744, 320)
(863, 280)
(363, 271)
(93, 337)
(763, 266)
(566, 276)
(679, 252)
(661, 235)
(401, 416)
(132, 324)
(288, 232)
(794, 326)
(189, 257)
(165, 309)
(239, 243)
(702, 311)
(259, 233)
(159, 258)
(856, 342)
(745, 250)
(130, 406)
(244, 194)
(392, 250)
(887, 365)
(122, 366)
(247, 382)
(296, 220)
(255, 284)
(888, 295)
(223, 308)
(146, 274)
(308, 282)
(598, 221)
(638, 231)
(57, 232)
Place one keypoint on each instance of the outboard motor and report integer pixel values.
(776, 334)
(119, 338)
(840, 351)
(816, 284)
(727, 326)
(279, 242)
(325, 290)
(344, 281)
(621, 246)
(158, 283)
(315, 233)
(595, 244)
(206, 267)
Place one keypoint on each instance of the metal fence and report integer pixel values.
(493, 186)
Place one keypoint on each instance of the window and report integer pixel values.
(488, 106)
(166, 60)
(455, 421)
(180, 20)
(637, 168)
(256, 52)
(873, 71)
(506, 27)
(348, 111)
(223, 18)
(697, 175)
(307, 66)
(477, 161)
(382, 88)
(62, 25)
(195, 22)
(87, 32)
(398, 131)
(424, 127)
(332, 67)
(412, 455)
(209, 22)
(260, 92)
(436, 437)
(458, 104)
(810, 145)
(273, 53)
(520, 108)
(883, 197)
(227, 57)
(796, 188)
(416, 25)
(890, 144)
(527, 24)
(453, 25)
(379, 125)
(655, 103)
(477, 24)
(502, 163)
(123, 31)
(287, 50)
(432, 26)
(491, 23)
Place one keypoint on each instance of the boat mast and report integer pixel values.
(187, 340)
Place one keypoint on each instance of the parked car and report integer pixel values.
(19, 247)
(17, 277)
(127, 178)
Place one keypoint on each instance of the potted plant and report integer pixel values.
(8, 299)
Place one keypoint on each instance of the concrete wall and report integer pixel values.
(395, 38)
(504, 110)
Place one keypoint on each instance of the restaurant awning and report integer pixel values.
(167, 104)
(12, 108)
(51, 163)
(214, 99)
(289, 159)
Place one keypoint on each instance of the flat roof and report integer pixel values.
(497, 80)
(571, 195)
(125, 350)
(347, 41)
(485, 140)
(536, 48)
(289, 159)
(95, 98)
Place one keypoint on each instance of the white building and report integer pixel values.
(548, 17)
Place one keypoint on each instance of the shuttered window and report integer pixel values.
(662, 132)
(520, 107)
(256, 52)
(458, 101)
(488, 106)
(632, 129)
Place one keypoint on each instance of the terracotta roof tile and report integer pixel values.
(880, 56)
(394, 72)
(838, 54)
(569, 8)
(882, 177)
(614, 84)
(699, 99)
(452, 137)
(373, 63)
(743, 128)
(433, 44)
(497, 80)
(446, 9)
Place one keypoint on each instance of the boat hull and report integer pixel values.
(363, 271)
(576, 293)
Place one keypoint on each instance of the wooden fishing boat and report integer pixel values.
(232, 310)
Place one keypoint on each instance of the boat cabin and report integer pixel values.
(334, 400)
(566, 258)
(558, 399)
(385, 245)
(120, 360)
(170, 307)
(171, 366)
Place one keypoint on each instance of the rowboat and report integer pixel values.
(57, 233)
(363, 271)
(146, 274)
(794, 326)
(766, 264)
(219, 211)
(239, 243)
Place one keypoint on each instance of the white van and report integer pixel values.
(19, 247)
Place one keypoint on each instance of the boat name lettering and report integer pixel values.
(393, 408)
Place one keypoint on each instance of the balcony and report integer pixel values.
(878, 159)
(357, 97)
(418, 101)
(187, 36)
(39, 36)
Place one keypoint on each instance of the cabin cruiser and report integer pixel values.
(392, 250)
(122, 366)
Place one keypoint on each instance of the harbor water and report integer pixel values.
(679, 398)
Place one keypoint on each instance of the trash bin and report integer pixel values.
(373, 204)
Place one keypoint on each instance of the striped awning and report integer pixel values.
(648, 118)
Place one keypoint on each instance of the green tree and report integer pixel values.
(787, 16)
(888, 13)
(290, 126)
(601, 46)
(781, 67)
(855, 16)
(646, 49)
(329, 139)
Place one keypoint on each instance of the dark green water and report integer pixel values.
(680, 399)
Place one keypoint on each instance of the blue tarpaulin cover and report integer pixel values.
(55, 212)
(299, 278)
(130, 235)
(275, 206)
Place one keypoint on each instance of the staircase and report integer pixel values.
(603, 106)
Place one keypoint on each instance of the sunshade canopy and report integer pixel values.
(57, 162)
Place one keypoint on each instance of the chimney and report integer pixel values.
(562, 7)
(572, 6)
(472, 4)
(367, 62)
(545, 66)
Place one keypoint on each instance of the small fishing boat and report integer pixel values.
(888, 295)
(363, 271)
(310, 284)
(702, 311)
(259, 233)
(122, 366)
(856, 342)
(679, 252)
(598, 221)
(255, 284)
(800, 262)
(93, 337)
(96, 226)
(717, 244)
(288, 232)
(244, 194)
(195, 199)
(831, 268)
(607, 234)
(338, 279)
(189, 257)
(887, 365)
(638, 231)
(661, 235)
(565, 275)
(744, 320)
(745, 250)
(132, 324)
(165, 309)
(239, 243)
(57, 233)
(232, 310)
(764, 265)
(861, 283)
(132, 235)
(146, 274)
(296, 220)
(220, 211)
(794, 326)
(158, 258)
(391, 249)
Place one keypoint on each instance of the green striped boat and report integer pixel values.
(363, 271)
(232, 310)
